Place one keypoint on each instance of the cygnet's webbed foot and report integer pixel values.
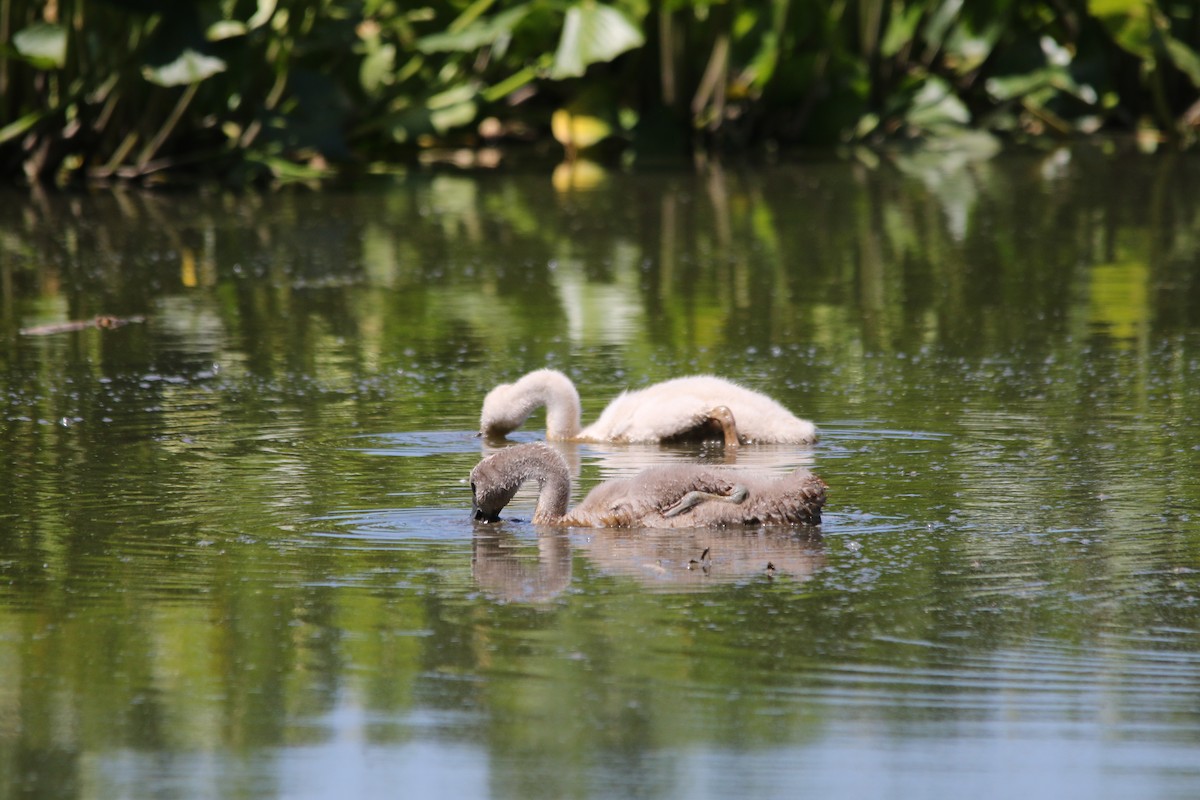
(721, 417)
(737, 495)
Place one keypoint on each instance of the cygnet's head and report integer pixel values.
(502, 412)
(488, 499)
(496, 479)
(492, 487)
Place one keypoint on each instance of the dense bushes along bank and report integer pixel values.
(247, 89)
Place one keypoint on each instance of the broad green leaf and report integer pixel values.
(1184, 58)
(43, 44)
(1040, 86)
(939, 22)
(966, 49)
(935, 104)
(451, 97)
(452, 108)
(378, 68)
(480, 33)
(1129, 22)
(592, 34)
(190, 67)
(455, 116)
(900, 29)
(1010, 87)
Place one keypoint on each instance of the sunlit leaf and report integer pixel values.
(578, 131)
(1056, 54)
(900, 29)
(43, 44)
(18, 126)
(1009, 87)
(378, 68)
(1184, 58)
(190, 67)
(939, 22)
(935, 104)
(966, 49)
(265, 9)
(451, 97)
(481, 33)
(1129, 22)
(225, 29)
(592, 34)
(455, 116)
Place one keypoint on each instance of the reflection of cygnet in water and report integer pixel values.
(665, 496)
(505, 570)
(696, 407)
(698, 558)
(509, 569)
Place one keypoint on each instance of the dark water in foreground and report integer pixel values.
(236, 560)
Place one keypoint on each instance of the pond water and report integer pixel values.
(235, 551)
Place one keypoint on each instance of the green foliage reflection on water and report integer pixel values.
(240, 525)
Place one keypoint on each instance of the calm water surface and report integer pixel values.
(235, 553)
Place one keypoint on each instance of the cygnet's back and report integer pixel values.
(667, 410)
(652, 498)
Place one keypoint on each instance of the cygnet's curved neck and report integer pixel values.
(554, 492)
(507, 407)
(502, 474)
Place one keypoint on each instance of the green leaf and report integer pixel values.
(15, 128)
(378, 68)
(592, 34)
(225, 29)
(443, 119)
(481, 33)
(265, 9)
(1128, 22)
(1009, 87)
(967, 49)
(43, 44)
(1184, 58)
(935, 104)
(900, 29)
(190, 67)
(940, 21)
(463, 93)
(230, 28)
(452, 108)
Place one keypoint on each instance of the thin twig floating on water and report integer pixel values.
(98, 321)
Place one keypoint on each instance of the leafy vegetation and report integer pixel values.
(132, 89)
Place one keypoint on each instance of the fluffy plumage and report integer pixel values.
(695, 407)
(664, 496)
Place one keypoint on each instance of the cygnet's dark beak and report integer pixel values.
(477, 513)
